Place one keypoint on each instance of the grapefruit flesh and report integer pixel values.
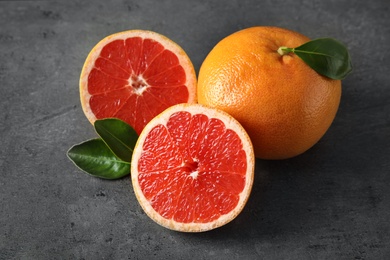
(192, 168)
(134, 76)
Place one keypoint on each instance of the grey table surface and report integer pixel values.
(332, 202)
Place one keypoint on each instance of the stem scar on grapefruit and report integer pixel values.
(192, 168)
(283, 104)
(135, 75)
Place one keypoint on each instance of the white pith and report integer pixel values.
(135, 80)
(194, 174)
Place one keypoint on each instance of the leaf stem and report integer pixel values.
(283, 50)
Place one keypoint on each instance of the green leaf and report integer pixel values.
(95, 158)
(326, 56)
(118, 135)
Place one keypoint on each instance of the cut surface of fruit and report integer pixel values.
(192, 168)
(135, 75)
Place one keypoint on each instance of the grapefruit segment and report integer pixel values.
(192, 168)
(134, 76)
(99, 82)
(115, 53)
(103, 105)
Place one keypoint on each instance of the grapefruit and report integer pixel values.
(135, 75)
(283, 104)
(192, 168)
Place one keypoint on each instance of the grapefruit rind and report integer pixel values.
(285, 106)
(230, 123)
(168, 44)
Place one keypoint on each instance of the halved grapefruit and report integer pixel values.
(135, 75)
(192, 168)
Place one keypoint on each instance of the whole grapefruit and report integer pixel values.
(283, 104)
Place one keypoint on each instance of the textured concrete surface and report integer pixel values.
(333, 202)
